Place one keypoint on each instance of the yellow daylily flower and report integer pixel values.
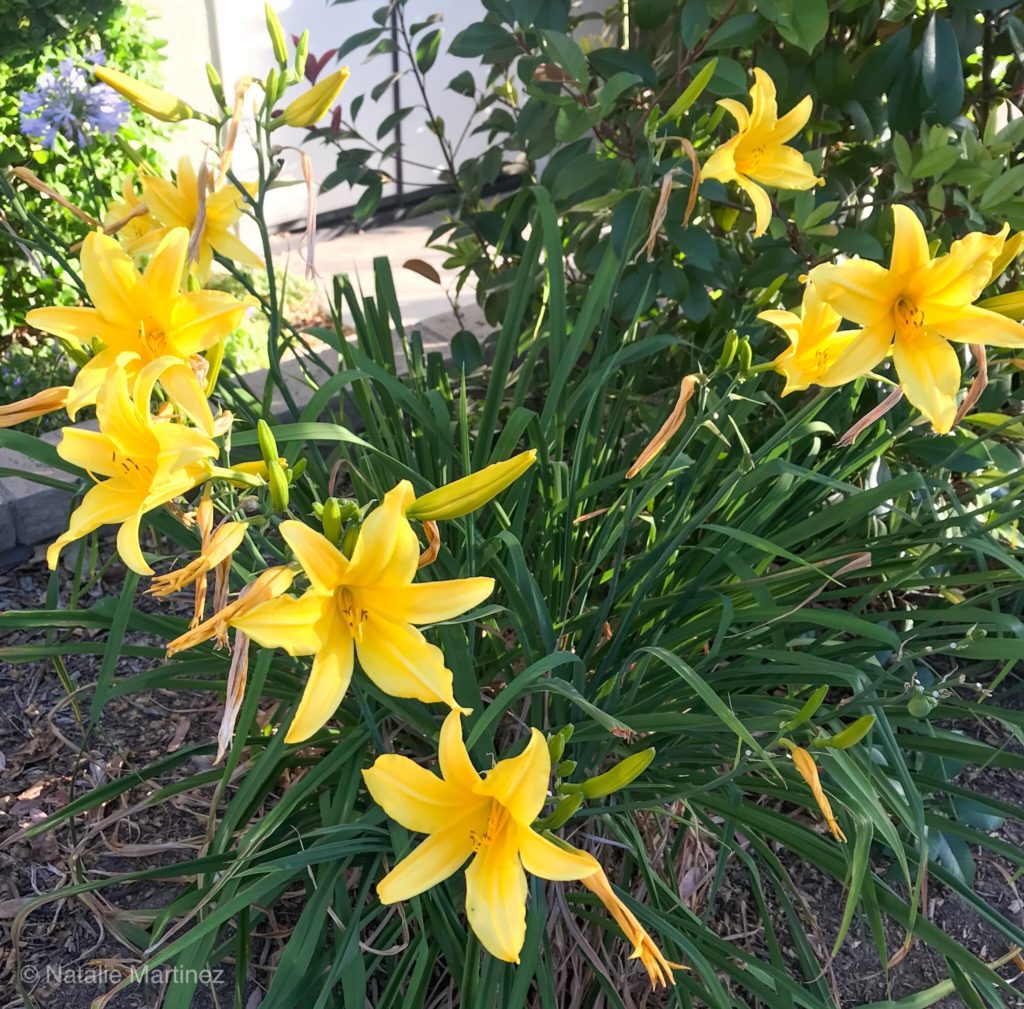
(176, 205)
(915, 308)
(367, 606)
(215, 550)
(804, 763)
(758, 153)
(311, 106)
(814, 341)
(460, 497)
(142, 232)
(487, 818)
(147, 462)
(140, 318)
(38, 405)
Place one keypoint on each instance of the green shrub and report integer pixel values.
(38, 37)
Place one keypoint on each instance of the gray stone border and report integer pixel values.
(32, 513)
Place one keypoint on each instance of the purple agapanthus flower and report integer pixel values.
(66, 103)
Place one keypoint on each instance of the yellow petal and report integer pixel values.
(436, 858)
(168, 203)
(111, 280)
(119, 419)
(128, 546)
(414, 797)
(784, 168)
(427, 602)
(104, 504)
(92, 376)
(325, 565)
(909, 244)
(789, 125)
(764, 111)
(859, 290)
(387, 551)
(186, 392)
(762, 204)
(959, 277)
(233, 248)
(520, 783)
(864, 352)
(737, 110)
(200, 319)
(166, 266)
(76, 323)
(1011, 250)
(929, 373)
(542, 858)
(496, 897)
(722, 163)
(402, 663)
(974, 324)
(285, 622)
(90, 450)
(328, 680)
(453, 756)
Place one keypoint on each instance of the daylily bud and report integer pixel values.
(565, 768)
(348, 544)
(276, 33)
(216, 86)
(268, 444)
(309, 108)
(278, 484)
(294, 472)
(331, 520)
(556, 747)
(807, 712)
(463, 496)
(159, 104)
(853, 733)
(565, 807)
(728, 350)
(1011, 305)
(301, 52)
(619, 776)
(273, 85)
(744, 356)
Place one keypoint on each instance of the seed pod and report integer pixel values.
(728, 350)
(744, 356)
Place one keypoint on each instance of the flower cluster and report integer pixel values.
(66, 103)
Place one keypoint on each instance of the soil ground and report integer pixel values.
(72, 951)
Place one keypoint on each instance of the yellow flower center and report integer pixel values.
(153, 339)
(750, 160)
(496, 823)
(351, 609)
(139, 474)
(909, 318)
